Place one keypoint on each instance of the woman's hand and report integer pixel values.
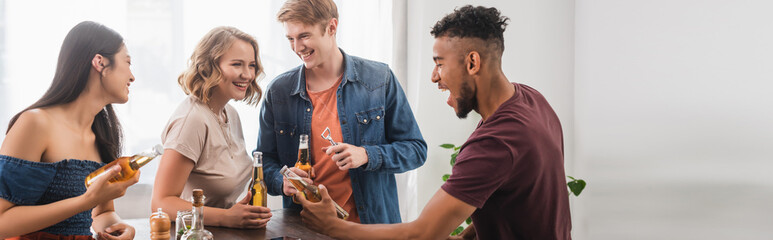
(101, 190)
(118, 231)
(244, 215)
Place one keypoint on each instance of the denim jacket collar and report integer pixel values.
(349, 75)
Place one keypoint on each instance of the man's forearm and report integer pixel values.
(342, 229)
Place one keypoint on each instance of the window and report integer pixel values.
(160, 36)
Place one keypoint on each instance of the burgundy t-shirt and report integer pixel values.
(512, 169)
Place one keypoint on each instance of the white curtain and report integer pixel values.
(160, 36)
(407, 182)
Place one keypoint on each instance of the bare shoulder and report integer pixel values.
(27, 139)
(33, 121)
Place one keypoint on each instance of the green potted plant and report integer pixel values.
(575, 185)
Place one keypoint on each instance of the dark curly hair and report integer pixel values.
(477, 22)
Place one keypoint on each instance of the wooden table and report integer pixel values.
(283, 223)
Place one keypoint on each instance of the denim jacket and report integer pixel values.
(373, 113)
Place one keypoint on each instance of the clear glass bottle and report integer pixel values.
(183, 223)
(311, 192)
(197, 231)
(129, 165)
(258, 185)
(303, 162)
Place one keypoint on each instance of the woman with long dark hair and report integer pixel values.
(51, 146)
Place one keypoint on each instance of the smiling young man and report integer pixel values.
(509, 175)
(359, 101)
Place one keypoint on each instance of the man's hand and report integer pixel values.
(118, 231)
(319, 216)
(287, 186)
(347, 156)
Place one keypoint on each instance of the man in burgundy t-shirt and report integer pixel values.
(512, 170)
(509, 175)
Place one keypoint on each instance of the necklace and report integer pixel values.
(221, 116)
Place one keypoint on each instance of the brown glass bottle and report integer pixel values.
(311, 192)
(258, 185)
(129, 165)
(303, 162)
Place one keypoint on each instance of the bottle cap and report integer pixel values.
(198, 196)
(158, 149)
(283, 170)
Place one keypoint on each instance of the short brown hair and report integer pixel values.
(204, 73)
(309, 12)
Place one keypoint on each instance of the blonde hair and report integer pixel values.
(204, 73)
(309, 12)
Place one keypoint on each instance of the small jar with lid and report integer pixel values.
(160, 225)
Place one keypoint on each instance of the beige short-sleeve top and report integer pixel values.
(222, 167)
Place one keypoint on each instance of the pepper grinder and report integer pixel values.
(160, 225)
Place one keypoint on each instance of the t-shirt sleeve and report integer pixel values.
(186, 135)
(23, 182)
(481, 168)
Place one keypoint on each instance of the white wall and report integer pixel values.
(663, 106)
(160, 36)
(538, 52)
(673, 118)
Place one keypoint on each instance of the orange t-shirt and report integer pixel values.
(325, 115)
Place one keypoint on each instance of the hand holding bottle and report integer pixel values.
(287, 186)
(319, 216)
(129, 165)
(244, 215)
(101, 190)
(309, 192)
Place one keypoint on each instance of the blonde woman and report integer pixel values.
(203, 141)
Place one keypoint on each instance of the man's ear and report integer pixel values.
(332, 26)
(472, 62)
(98, 62)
